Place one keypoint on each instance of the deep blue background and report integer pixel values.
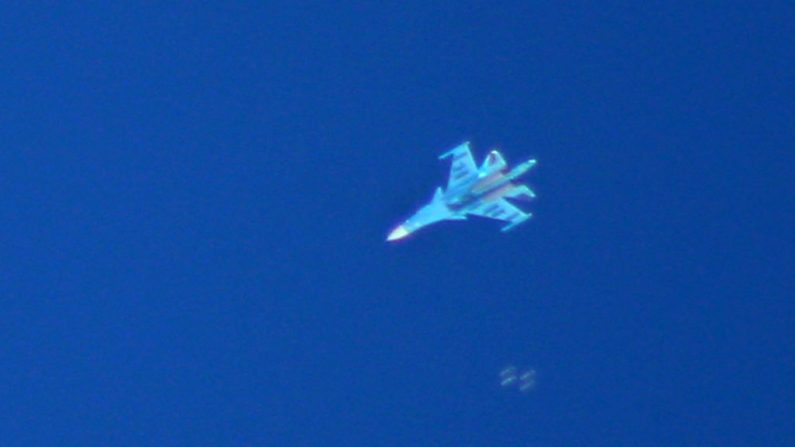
(195, 199)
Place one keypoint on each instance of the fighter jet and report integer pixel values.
(473, 191)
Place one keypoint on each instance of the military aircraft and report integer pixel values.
(473, 191)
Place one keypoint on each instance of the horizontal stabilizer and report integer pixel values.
(521, 192)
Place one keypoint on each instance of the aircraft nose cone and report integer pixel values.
(398, 233)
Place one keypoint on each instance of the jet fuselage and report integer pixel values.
(472, 191)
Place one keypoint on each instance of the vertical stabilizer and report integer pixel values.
(493, 162)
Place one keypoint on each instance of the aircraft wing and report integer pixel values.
(503, 210)
(463, 167)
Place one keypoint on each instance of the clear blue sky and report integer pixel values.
(195, 200)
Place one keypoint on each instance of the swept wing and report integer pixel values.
(501, 209)
(463, 168)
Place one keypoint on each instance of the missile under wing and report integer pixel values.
(473, 191)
